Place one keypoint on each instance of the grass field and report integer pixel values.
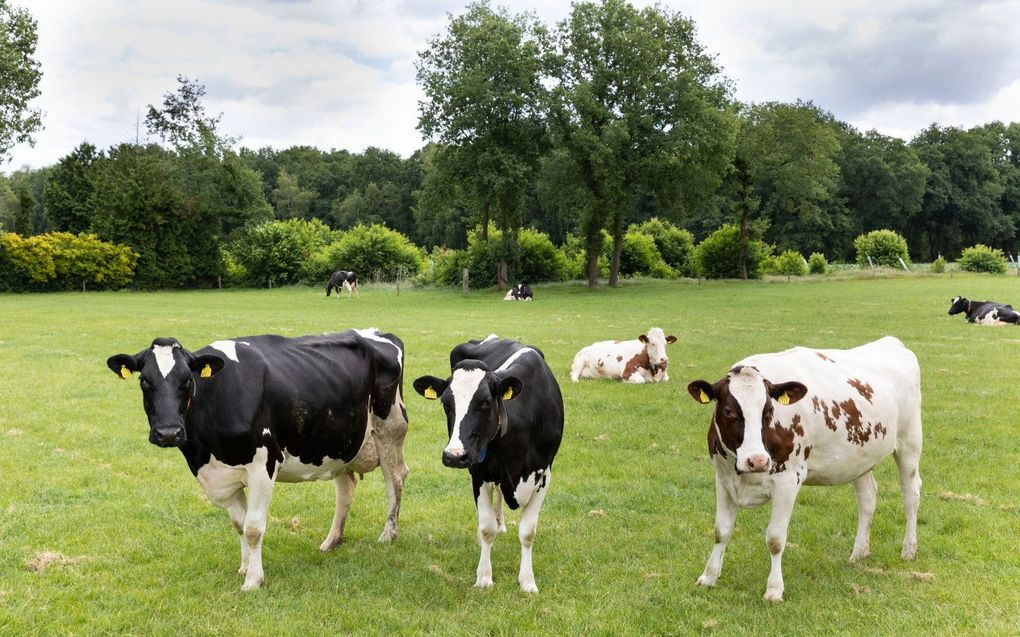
(135, 548)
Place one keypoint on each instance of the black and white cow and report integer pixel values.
(519, 292)
(815, 417)
(252, 411)
(343, 280)
(984, 312)
(504, 415)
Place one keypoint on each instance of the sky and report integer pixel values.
(340, 74)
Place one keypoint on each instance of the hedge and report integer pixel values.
(63, 261)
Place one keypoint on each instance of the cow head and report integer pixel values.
(745, 401)
(167, 376)
(655, 344)
(473, 398)
(959, 304)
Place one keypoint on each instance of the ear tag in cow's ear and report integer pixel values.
(430, 393)
(704, 397)
(125, 373)
(509, 393)
(206, 372)
(784, 399)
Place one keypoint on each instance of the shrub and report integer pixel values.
(639, 255)
(790, 263)
(277, 251)
(938, 266)
(817, 263)
(885, 247)
(718, 256)
(537, 260)
(368, 251)
(63, 261)
(577, 263)
(981, 258)
(676, 245)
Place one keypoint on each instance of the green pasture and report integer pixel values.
(103, 533)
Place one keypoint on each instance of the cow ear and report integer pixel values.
(123, 364)
(430, 387)
(701, 391)
(206, 365)
(509, 387)
(671, 339)
(787, 393)
(643, 338)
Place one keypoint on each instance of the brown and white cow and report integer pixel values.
(642, 360)
(817, 417)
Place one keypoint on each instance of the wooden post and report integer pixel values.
(465, 280)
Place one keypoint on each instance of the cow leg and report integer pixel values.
(260, 493)
(867, 495)
(576, 367)
(389, 437)
(908, 460)
(783, 498)
(725, 517)
(486, 532)
(345, 484)
(236, 508)
(497, 505)
(526, 533)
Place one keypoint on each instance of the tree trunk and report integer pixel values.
(743, 241)
(501, 279)
(485, 222)
(594, 244)
(614, 268)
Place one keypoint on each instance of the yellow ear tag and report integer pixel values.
(206, 372)
(784, 399)
(124, 372)
(704, 397)
(430, 393)
(509, 394)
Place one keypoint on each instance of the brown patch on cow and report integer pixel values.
(795, 426)
(864, 389)
(619, 359)
(807, 452)
(775, 545)
(880, 429)
(830, 421)
(714, 447)
(824, 357)
(836, 412)
(779, 443)
(816, 404)
(640, 361)
(718, 535)
(856, 432)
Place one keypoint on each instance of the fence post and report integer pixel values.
(872, 264)
(465, 280)
(903, 263)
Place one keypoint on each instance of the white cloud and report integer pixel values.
(340, 74)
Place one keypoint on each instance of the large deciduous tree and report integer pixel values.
(68, 191)
(640, 108)
(20, 73)
(484, 102)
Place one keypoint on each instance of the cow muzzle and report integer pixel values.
(455, 461)
(168, 436)
(758, 463)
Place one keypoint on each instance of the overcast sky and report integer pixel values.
(340, 73)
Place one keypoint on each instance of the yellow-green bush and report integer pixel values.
(63, 261)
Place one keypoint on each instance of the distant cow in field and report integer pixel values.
(504, 416)
(642, 360)
(343, 280)
(253, 411)
(984, 312)
(519, 292)
(819, 417)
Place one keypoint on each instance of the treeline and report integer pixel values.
(581, 131)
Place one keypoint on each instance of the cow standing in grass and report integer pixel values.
(817, 417)
(343, 280)
(984, 312)
(249, 412)
(642, 360)
(504, 416)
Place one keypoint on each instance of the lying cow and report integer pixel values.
(252, 411)
(984, 312)
(343, 280)
(519, 292)
(642, 360)
(504, 415)
(772, 433)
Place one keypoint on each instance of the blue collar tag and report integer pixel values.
(481, 455)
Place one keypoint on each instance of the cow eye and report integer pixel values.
(486, 405)
(145, 384)
(728, 412)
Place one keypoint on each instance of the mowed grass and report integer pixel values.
(628, 524)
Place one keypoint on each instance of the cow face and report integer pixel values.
(655, 344)
(473, 398)
(958, 304)
(744, 405)
(166, 374)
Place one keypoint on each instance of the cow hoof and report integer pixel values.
(501, 528)
(250, 585)
(483, 582)
(860, 555)
(329, 544)
(706, 581)
(909, 551)
(774, 596)
(388, 535)
(529, 587)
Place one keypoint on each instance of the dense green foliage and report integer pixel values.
(675, 245)
(788, 263)
(817, 264)
(938, 266)
(373, 252)
(21, 74)
(135, 548)
(63, 261)
(279, 252)
(719, 255)
(981, 258)
(885, 247)
(639, 255)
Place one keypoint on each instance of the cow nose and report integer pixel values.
(168, 436)
(455, 461)
(758, 463)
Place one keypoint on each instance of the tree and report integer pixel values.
(21, 74)
(183, 121)
(290, 199)
(640, 108)
(484, 103)
(67, 194)
(23, 220)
